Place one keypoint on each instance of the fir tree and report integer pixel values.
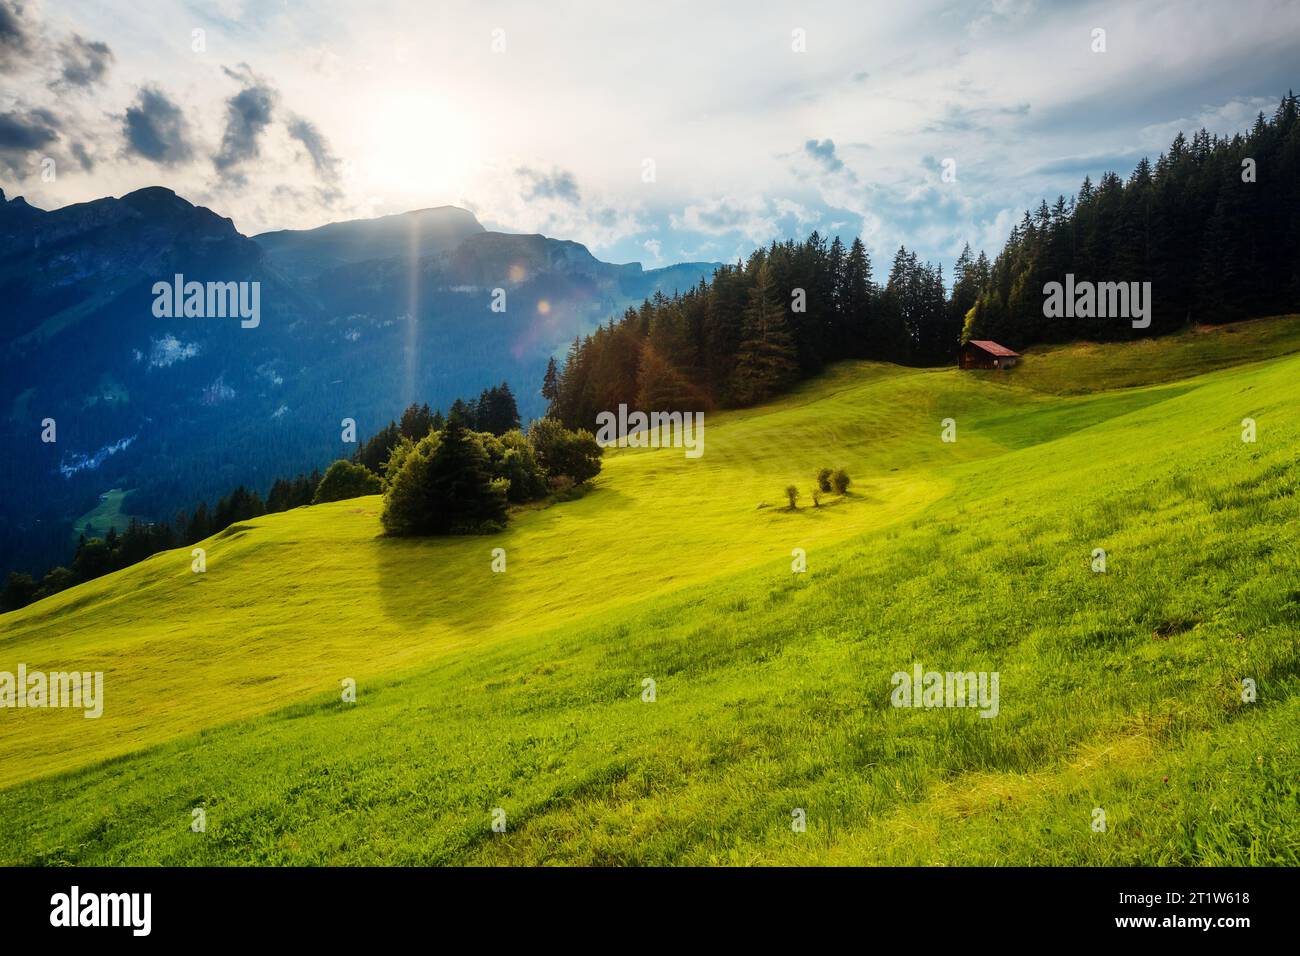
(765, 362)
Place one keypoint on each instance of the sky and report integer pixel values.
(654, 133)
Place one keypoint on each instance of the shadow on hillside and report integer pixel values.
(443, 581)
(1026, 427)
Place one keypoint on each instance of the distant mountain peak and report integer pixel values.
(418, 233)
(18, 202)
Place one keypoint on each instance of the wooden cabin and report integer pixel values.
(983, 353)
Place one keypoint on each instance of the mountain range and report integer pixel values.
(357, 320)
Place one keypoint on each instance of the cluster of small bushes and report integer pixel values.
(828, 480)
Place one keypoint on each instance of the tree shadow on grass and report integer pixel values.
(446, 581)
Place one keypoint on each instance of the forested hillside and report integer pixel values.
(762, 325)
(1213, 225)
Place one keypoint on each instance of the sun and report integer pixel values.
(418, 144)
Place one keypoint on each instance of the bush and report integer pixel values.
(19, 591)
(345, 479)
(792, 493)
(443, 485)
(55, 580)
(512, 459)
(562, 452)
(396, 458)
(817, 497)
(841, 481)
(824, 479)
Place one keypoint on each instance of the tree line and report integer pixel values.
(96, 556)
(1213, 225)
(441, 474)
(761, 325)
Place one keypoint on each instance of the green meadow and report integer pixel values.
(109, 513)
(523, 691)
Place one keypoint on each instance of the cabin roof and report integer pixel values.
(992, 347)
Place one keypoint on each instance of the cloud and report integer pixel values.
(1090, 164)
(959, 119)
(655, 248)
(318, 148)
(248, 114)
(156, 129)
(998, 13)
(15, 39)
(21, 133)
(823, 152)
(27, 130)
(82, 155)
(558, 184)
(85, 62)
(755, 220)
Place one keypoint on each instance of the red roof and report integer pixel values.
(992, 347)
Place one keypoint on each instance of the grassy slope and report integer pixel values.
(481, 690)
(109, 513)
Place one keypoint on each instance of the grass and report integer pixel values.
(109, 513)
(1084, 367)
(523, 690)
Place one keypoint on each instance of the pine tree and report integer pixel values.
(444, 486)
(416, 422)
(765, 362)
(551, 387)
(862, 331)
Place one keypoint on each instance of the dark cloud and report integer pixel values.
(248, 114)
(15, 39)
(824, 152)
(85, 62)
(558, 184)
(155, 128)
(82, 156)
(317, 146)
(22, 131)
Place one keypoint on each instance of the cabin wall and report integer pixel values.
(978, 358)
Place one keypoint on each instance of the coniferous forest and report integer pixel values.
(1213, 224)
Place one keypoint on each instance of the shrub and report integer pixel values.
(792, 493)
(443, 485)
(55, 580)
(824, 479)
(817, 497)
(841, 481)
(562, 452)
(19, 591)
(512, 459)
(344, 479)
(396, 458)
